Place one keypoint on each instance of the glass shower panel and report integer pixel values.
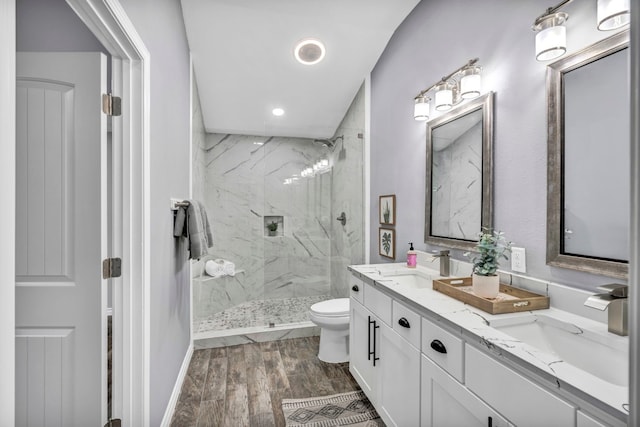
(296, 260)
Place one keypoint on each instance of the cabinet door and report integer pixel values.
(362, 335)
(399, 366)
(447, 403)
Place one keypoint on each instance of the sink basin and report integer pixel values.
(601, 354)
(407, 279)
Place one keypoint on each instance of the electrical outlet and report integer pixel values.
(518, 260)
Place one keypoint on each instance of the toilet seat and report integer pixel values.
(338, 307)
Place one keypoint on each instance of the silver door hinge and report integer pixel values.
(111, 267)
(111, 105)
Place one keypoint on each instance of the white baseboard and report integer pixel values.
(175, 394)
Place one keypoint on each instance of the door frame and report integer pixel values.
(107, 20)
(7, 213)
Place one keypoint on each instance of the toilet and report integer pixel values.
(332, 316)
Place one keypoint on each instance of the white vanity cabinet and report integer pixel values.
(423, 371)
(447, 403)
(382, 361)
(361, 348)
(522, 401)
(585, 420)
(399, 389)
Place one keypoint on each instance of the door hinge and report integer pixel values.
(111, 105)
(116, 422)
(111, 267)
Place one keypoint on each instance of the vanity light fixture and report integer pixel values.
(551, 37)
(444, 95)
(613, 14)
(463, 83)
(470, 82)
(421, 108)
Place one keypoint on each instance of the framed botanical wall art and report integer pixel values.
(387, 208)
(387, 242)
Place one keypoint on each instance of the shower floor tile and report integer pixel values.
(260, 313)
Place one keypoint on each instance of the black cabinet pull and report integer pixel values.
(369, 352)
(438, 346)
(490, 422)
(404, 322)
(374, 342)
(355, 288)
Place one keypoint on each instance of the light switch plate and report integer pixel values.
(518, 260)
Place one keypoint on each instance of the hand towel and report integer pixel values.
(220, 267)
(178, 222)
(199, 230)
(228, 267)
(214, 268)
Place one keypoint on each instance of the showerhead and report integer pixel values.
(329, 142)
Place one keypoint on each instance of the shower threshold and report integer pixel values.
(257, 321)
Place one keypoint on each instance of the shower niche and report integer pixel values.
(274, 226)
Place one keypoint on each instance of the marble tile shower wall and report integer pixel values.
(245, 178)
(347, 195)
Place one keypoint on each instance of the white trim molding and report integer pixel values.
(175, 394)
(634, 259)
(367, 169)
(107, 20)
(7, 213)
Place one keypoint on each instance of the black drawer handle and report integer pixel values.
(355, 288)
(438, 346)
(404, 322)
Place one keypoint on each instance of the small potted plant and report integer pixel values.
(273, 227)
(491, 248)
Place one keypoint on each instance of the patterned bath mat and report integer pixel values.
(345, 409)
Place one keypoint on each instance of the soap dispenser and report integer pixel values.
(412, 257)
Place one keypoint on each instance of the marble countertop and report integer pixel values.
(474, 325)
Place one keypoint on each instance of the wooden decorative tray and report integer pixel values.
(509, 300)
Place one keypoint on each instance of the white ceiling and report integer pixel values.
(244, 65)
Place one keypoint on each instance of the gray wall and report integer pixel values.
(52, 26)
(160, 25)
(436, 38)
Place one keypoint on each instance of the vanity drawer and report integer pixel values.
(378, 303)
(406, 323)
(444, 348)
(530, 404)
(356, 289)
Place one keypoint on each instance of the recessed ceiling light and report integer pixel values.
(309, 51)
(277, 112)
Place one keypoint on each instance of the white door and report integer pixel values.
(60, 240)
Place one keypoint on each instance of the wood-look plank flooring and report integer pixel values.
(244, 385)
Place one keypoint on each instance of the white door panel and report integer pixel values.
(60, 239)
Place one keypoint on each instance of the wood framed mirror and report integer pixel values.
(588, 168)
(459, 178)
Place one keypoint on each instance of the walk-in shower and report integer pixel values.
(302, 185)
